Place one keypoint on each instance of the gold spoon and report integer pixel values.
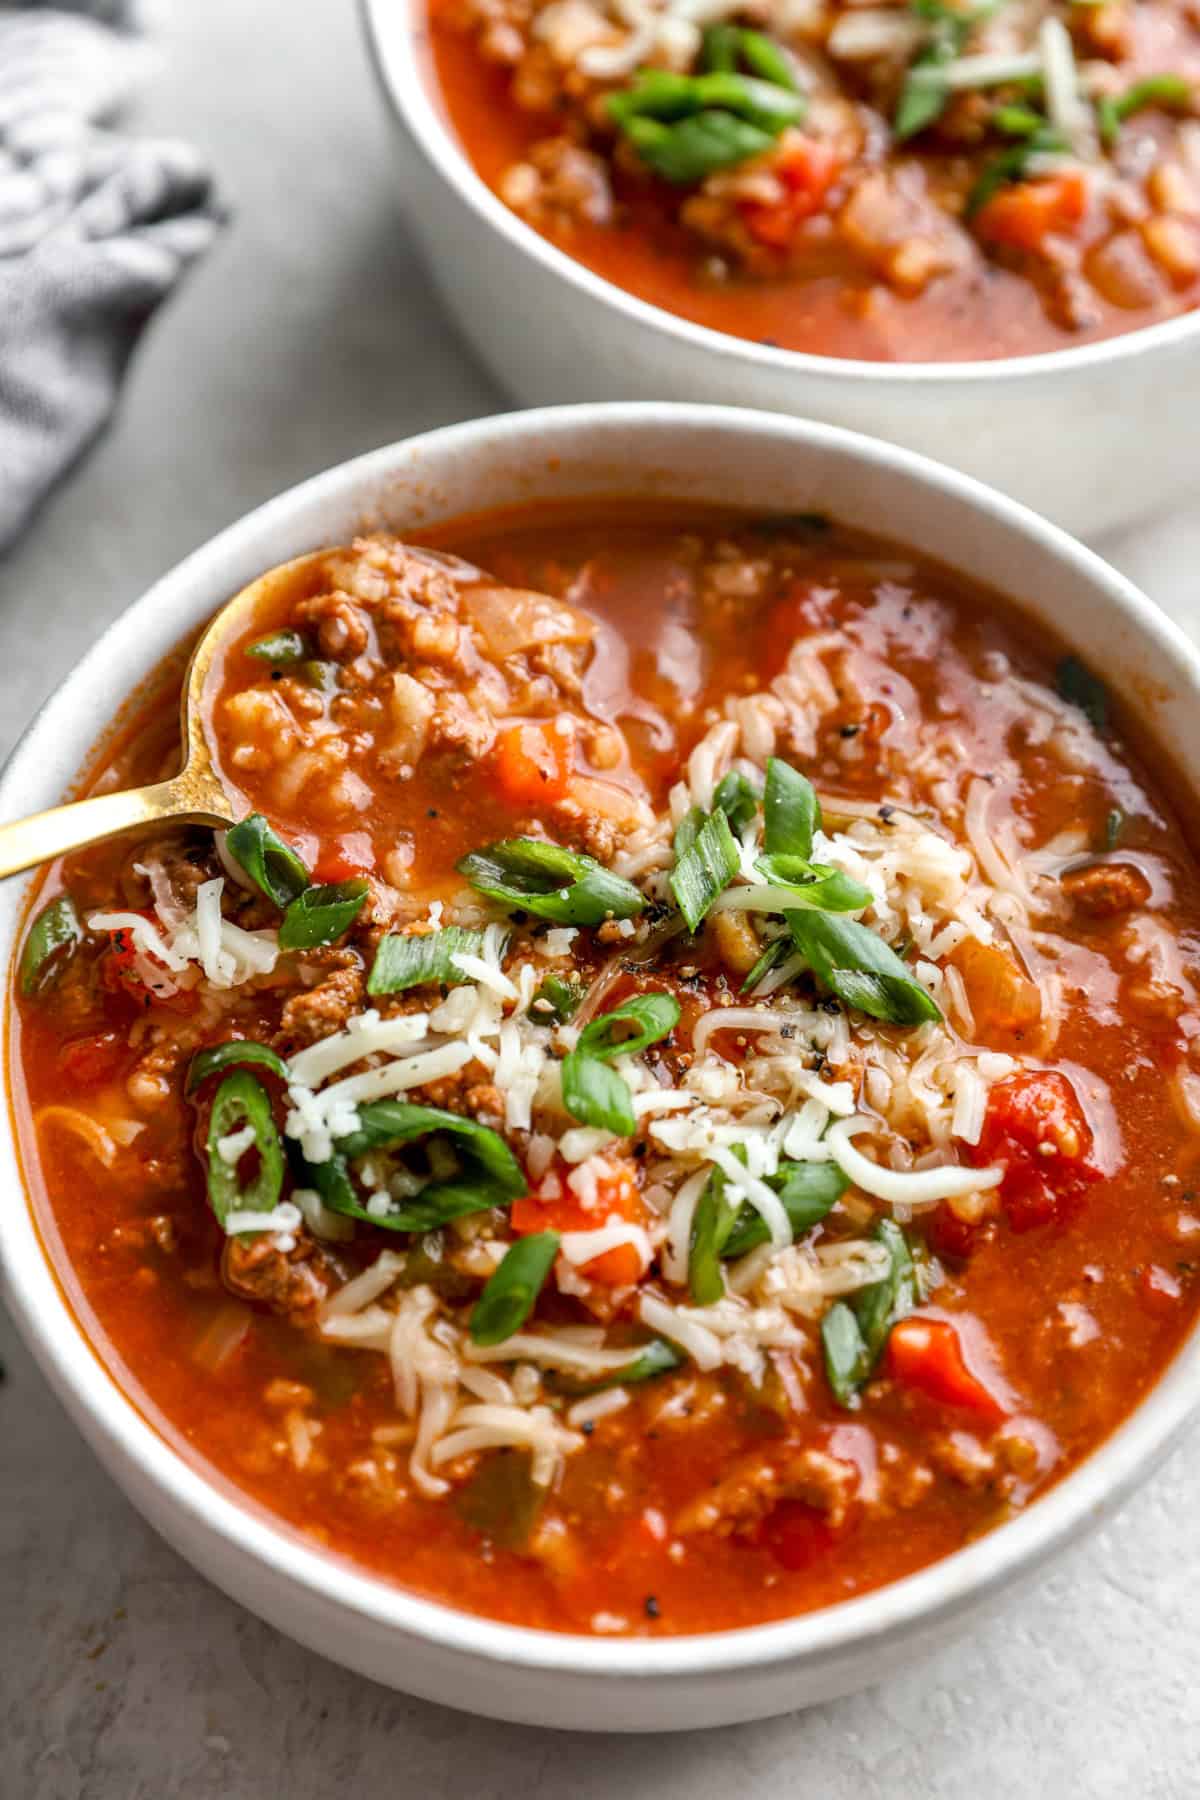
(195, 796)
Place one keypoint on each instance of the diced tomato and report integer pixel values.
(927, 1354)
(807, 170)
(533, 762)
(345, 857)
(1034, 1126)
(120, 973)
(553, 1207)
(1025, 214)
(1158, 1291)
(797, 1534)
(94, 1058)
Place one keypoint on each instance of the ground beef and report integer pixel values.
(1104, 890)
(756, 1482)
(326, 1007)
(292, 1283)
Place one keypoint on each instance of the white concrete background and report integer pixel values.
(309, 336)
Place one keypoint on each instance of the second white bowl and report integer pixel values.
(1095, 437)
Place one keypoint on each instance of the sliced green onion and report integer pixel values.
(236, 1054)
(596, 1095)
(854, 1341)
(320, 915)
(1170, 91)
(721, 47)
(511, 1293)
(930, 80)
(712, 1222)
(775, 952)
(738, 798)
(551, 882)
(1114, 826)
(695, 147)
(1011, 165)
(490, 1176)
(860, 968)
(652, 1016)
(405, 960)
(558, 998)
(658, 1357)
(280, 648)
(808, 1192)
(687, 831)
(1076, 684)
(764, 57)
(323, 676)
(592, 1092)
(271, 864)
(845, 1353)
(816, 885)
(241, 1101)
(1018, 121)
(661, 96)
(879, 1306)
(52, 940)
(705, 868)
(791, 811)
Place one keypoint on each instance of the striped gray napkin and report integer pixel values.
(95, 230)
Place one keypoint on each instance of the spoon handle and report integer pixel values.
(46, 835)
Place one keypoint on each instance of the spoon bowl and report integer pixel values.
(196, 796)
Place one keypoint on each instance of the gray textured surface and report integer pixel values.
(122, 1675)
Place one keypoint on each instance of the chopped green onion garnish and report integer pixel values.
(52, 939)
(775, 952)
(314, 673)
(705, 867)
(490, 1174)
(243, 1051)
(791, 811)
(241, 1101)
(854, 1335)
(280, 648)
(405, 960)
(1076, 683)
(1018, 121)
(271, 864)
(553, 883)
(721, 47)
(557, 1000)
(657, 1358)
(856, 964)
(685, 127)
(1114, 827)
(1011, 165)
(321, 914)
(511, 1293)
(816, 885)
(845, 1353)
(1155, 90)
(764, 57)
(808, 1191)
(592, 1092)
(738, 798)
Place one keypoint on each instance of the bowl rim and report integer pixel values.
(915, 1603)
(394, 35)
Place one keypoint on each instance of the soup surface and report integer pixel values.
(931, 182)
(675, 1105)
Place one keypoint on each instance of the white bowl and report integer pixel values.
(714, 454)
(1094, 437)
